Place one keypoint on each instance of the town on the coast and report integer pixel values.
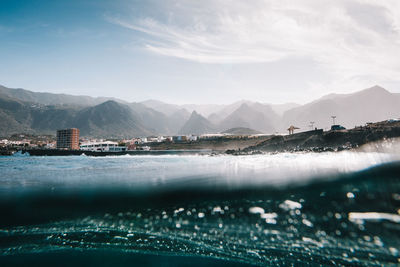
(69, 142)
(56, 124)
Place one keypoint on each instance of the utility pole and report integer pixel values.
(333, 120)
(312, 124)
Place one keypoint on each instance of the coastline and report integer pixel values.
(309, 141)
(58, 152)
(329, 141)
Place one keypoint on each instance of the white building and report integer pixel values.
(161, 139)
(193, 138)
(105, 146)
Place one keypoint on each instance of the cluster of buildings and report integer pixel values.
(28, 141)
(69, 139)
(21, 143)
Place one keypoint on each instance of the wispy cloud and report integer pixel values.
(245, 32)
(356, 41)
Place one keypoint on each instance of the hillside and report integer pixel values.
(167, 109)
(15, 116)
(318, 140)
(177, 120)
(280, 109)
(109, 119)
(257, 116)
(154, 121)
(197, 124)
(369, 105)
(241, 131)
(53, 99)
(25, 111)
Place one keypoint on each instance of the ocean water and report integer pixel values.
(283, 209)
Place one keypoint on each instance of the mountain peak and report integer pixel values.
(376, 88)
(109, 102)
(244, 106)
(197, 124)
(372, 90)
(195, 115)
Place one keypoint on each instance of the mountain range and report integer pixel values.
(23, 111)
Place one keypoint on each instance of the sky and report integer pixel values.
(209, 51)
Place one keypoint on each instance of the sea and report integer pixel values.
(276, 209)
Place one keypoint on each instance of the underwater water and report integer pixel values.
(262, 210)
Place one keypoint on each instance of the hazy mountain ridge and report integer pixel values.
(251, 116)
(204, 109)
(214, 113)
(197, 124)
(14, 116)
(20, 113)
(280, 109)
(178, 119)
(109, 119)
(167, 109)
(154, 121)
(369, 105)
(53, 99)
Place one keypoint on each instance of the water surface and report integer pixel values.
(280, 209)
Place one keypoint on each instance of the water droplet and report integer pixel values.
(290, 205)
(217, 209)
(307, 223)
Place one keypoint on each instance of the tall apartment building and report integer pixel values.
(68, 139)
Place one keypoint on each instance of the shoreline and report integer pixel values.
(57, 152)
(329, 141)
(309, 141)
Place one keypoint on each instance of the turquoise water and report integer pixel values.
(283, 209)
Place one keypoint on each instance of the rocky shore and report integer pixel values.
(320, 141)
(7, 152)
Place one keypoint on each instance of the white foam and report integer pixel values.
(373, 216)
(290, 205)
(272, 215)
(256, 210)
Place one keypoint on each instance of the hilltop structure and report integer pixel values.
(292, 128)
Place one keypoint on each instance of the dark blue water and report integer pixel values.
(284, 209)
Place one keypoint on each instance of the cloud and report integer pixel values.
(350, 39)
